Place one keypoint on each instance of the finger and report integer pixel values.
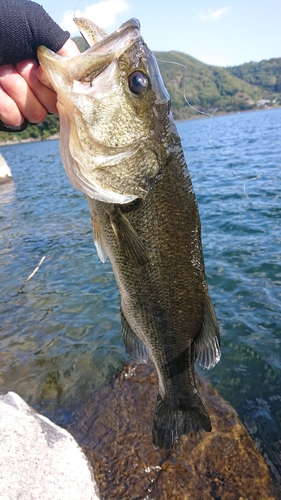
(42, 77)
(10, 114)
(46, 96)
(69, 49)
(19, 91)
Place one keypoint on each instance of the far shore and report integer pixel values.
(8, 142)
(200, 115)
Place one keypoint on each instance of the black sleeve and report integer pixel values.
(24, 25)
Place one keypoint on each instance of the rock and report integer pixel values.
(38, 459)
(5, 172)
(115, 432)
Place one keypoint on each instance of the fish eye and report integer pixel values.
(138, 83)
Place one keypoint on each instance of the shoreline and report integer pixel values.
(203, 114)
(200, 115)
(8, 142)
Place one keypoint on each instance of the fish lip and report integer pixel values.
(104, 51)
(130, 25)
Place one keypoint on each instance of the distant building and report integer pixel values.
(263, 102)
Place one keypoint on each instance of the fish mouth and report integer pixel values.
(100, 55)
(95, 59)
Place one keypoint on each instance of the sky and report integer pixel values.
(219, 32)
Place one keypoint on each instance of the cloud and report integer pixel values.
(103, 14)
(214, 14)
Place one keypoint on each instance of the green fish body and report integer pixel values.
(145, 215)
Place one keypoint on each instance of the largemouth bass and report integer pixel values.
(120, 146)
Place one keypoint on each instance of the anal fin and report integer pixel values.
(98, 240)
(134, 346)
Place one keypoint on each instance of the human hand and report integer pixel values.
(25, 94)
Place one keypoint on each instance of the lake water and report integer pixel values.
(60, 338)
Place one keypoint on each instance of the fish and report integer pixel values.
(120, 146)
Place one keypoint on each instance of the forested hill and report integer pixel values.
(219, 90)
(266, 74)
(211, 89)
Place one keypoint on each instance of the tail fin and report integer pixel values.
(170, 423)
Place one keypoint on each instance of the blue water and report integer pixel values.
(60, 338)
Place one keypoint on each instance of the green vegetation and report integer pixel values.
(41, 131)
(207, 88)
(265, 74)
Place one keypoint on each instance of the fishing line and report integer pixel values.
(210, 115)
(238, 176)
(184, 92)
(187, 101)
(78, 3)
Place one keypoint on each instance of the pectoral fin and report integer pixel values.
(98, 240)
(207, 343)
(127, 238)
(134, 346)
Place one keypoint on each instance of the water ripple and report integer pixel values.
(60, 338)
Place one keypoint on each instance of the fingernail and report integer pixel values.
(27, 65)
(6, 69)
